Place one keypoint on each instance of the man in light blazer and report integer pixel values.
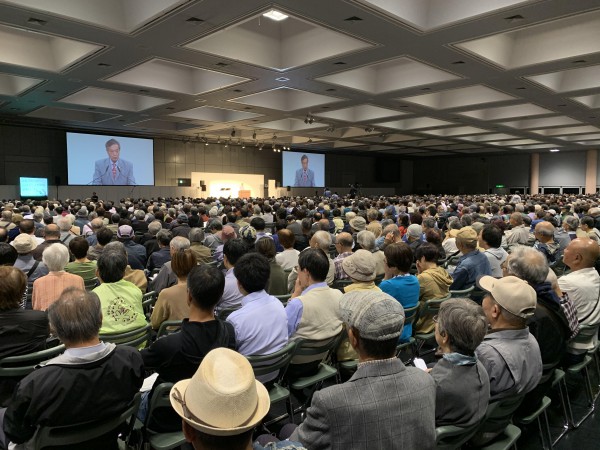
(305, 177)
(385, 404)
(113, 170)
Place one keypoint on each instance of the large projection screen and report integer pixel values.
(104, 160)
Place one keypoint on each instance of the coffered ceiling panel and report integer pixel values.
(394, 77)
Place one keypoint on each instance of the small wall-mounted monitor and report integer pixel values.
(181, 182)
(34, 188)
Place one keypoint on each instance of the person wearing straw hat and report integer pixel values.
(385, 405)
(222, 404)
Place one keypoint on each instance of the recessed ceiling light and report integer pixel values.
(282, 79)
(554, 150)
(353, 19)
(194, 20)
(458, 62)
(275, 15)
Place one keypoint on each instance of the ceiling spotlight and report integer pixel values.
(369, 129)
(275, 15)
(219, 140)
(232, 132)
(330, 128)
(274, 137)
(309, 141)
(254, 135)
(243, 145)
(309, 119)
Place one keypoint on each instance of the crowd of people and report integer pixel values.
(247, 277)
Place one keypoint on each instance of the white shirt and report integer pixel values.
(288, 259)
(583, 287)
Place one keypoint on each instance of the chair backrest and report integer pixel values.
(410, 314)
(22, 365)
(148, 301)
(90, 284)
(465, 293)
(450, 437)
(586, 334)
(161, 416)
(168, 327)
(283, 298)
(133, 338)
(498, 415)
(280, 360)
(75, 434)
(225, 312)
(308, 347)
(341, 284)
(431, 307)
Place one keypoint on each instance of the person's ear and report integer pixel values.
(353, 337)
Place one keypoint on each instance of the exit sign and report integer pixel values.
(499, 185)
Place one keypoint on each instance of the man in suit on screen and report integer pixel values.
(113, 170)
(304, 177)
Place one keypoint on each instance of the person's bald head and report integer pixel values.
(344, 240)
(581, 253)
(544, 232)
(51, 232)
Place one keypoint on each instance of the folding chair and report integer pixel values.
(22, 365)
(277, 361)
(139, 338)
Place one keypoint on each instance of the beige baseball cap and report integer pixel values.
(512, 293)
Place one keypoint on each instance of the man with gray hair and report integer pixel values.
(343, 245)
(371, 400)
(149, 239)
(166, 277)
(213, 234)
(321, 239)
(115, 372)
(6, 221)
(95, 225)
(519, 233)
(163, 255)
(570, 225)
(548, 324)
(544, 235)
(66, 235)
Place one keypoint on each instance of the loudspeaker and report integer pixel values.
(203, 188)
(202, 183)
(289, 189)
(184, 182)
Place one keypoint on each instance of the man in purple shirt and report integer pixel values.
(261, 323)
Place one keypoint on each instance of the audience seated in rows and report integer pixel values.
(472, 264)
(288, 258)
(159, 257)
(166, 277)
(101, 379)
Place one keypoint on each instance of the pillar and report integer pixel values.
(534, 183)
(591, 171)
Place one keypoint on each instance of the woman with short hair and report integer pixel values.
(48, 288)
(462, 383)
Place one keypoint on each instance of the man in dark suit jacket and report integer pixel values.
(385, 404)
(304, 177)
(113, 170)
